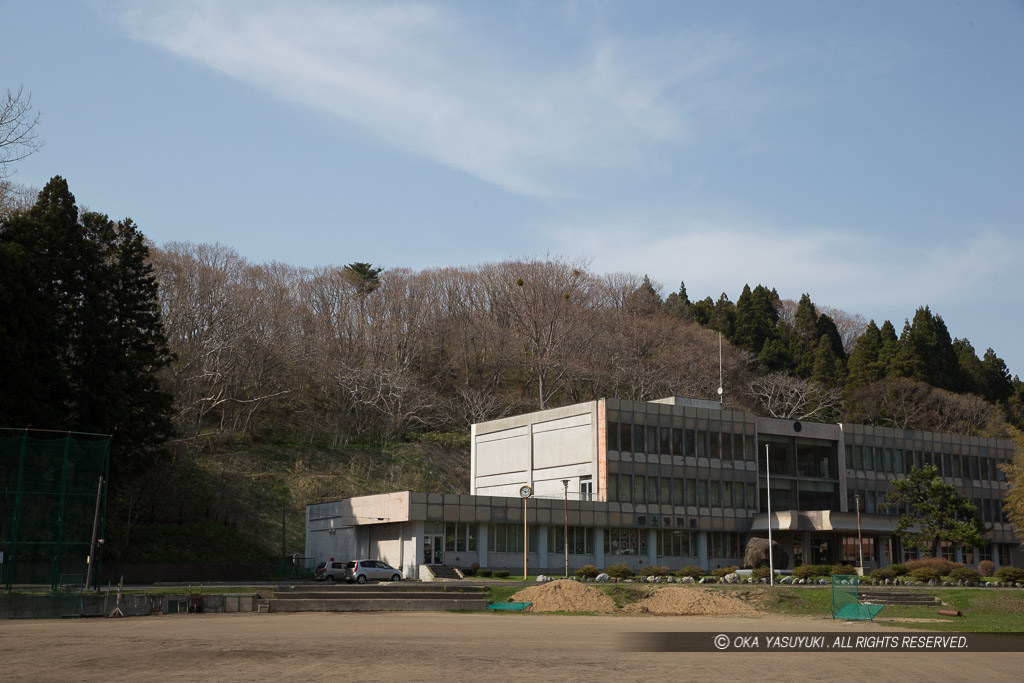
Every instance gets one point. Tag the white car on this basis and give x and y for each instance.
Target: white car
(361, 571)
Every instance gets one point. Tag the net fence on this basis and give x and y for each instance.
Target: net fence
(48, 504)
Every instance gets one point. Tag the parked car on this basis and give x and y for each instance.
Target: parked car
(330, 571)
(361, 571)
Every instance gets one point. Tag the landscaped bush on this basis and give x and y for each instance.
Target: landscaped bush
(942, 566)
(654, 571)
(469, 571)
(965, 574)
(810, 571)
(986, 568)
(899, 568)
(925, 574)
(619, 571)
(587, 571)
(693, 571)
(501, 574)
(842, 569)
(723, 571)
(880, 575)
(483, 572)
(760, 573)
(1010, 574)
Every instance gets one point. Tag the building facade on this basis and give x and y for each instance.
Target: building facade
(673, 482)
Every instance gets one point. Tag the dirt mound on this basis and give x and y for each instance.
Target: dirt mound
(684, 601)
(564, 596)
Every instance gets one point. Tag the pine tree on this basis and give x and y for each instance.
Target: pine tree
(803, 337)
(926, 353)
(865, 365)
(757, 318)
(89, 339)
(678, 304)
(935, 509)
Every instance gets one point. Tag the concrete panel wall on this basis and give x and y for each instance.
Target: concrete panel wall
(503, 452)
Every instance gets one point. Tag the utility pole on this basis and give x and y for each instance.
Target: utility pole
(95, 533)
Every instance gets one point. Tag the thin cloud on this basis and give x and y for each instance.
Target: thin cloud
(840, 269)
(416, 77)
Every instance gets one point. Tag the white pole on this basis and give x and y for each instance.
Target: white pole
(768, 482)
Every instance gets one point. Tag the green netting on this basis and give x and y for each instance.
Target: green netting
(48, 503)
(511, 606)
(846, 602)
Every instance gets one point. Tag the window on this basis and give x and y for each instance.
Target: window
(674, 543)
(850, 552)
(677, 441)
(724, 544)
(702, 494)
(460, 537)
(625, 542)
(579, 540)
(677, 492)
(586, 488)
(508, 538)
(638, 489)
(638, 439)
(691, 443)
(625, 438)
(652, 439)
(666, 440)
(727, 494)
(613, 488)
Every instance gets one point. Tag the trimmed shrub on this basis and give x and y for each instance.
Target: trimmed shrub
(693, 571)
(469, 571)
(1010, 574)
(899, 568)
(483, 572)
(722, 571)
(759, 573)
(619, 571)
(965, 574)
(880, 575)
(810, 571)
(587, 571)
(842, 569)
(925, 574)
(501, 574)
(986, 568)
(942, 566)
(651, 570)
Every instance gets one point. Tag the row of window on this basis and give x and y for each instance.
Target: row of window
(898, 461)
(637, 488)
(652, 440)
(990, 510)
(579, 540)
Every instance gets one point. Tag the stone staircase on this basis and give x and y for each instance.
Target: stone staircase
(441, 572)
(387, 597)
(898, 597)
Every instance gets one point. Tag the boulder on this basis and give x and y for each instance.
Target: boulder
(687, 579)
(731, 577)
(756, 554)
(602, 578)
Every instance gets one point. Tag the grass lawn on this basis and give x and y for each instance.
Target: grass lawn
(985, 610)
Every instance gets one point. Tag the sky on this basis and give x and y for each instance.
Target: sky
(870, 154)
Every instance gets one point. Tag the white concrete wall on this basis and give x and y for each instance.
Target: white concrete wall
(539, 449)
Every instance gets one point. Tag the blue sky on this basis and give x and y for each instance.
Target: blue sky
(870, 153)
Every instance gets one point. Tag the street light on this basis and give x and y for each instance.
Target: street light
(860, 542)
(565, 483)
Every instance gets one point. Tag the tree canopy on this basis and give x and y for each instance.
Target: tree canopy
(933, 511)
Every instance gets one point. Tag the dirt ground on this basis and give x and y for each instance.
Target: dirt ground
(420, 646)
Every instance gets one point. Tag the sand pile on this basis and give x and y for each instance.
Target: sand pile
(564, 596)
(680, 600)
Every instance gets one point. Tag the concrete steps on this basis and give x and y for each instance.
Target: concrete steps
(880, 597)
(384, 598)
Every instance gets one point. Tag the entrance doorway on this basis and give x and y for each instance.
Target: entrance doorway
(433, 549)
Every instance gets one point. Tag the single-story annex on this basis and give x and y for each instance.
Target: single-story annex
(672, 482)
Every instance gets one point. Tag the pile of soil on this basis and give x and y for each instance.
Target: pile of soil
(564, 596)
(690, 601)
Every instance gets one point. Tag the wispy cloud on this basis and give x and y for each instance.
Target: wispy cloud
(419, 78)
(850, 271)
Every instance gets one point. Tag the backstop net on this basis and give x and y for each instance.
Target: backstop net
(48, 504)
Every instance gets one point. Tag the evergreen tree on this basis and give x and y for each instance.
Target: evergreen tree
(803, 337)
(757, 318)
(828, 370)
(703, 311)
(890, 348)
(363, 277)
(936, 509)
(926, 353)
(678, 304)
(92, 341)
(644, 301)
(996, 383)
(725, 316)
(865, 365)
(970, 366)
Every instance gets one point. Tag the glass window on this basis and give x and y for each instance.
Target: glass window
(677, 441)
(613, 488)
(716, 494)
(714, 451)
(727, 494)
(625, 438)
(869, 459)
(691, 492)
(677, 492)
(750, 500)
(652, 489)
(702, 493)
(638, 439)
(666, 440)
(613, 436)
(652, 439)
(691, 443)
(639, 495)
(665, 498)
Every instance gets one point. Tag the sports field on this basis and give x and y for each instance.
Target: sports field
(422, 646)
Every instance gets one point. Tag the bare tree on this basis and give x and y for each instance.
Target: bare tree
(18, 136)
(792, 398)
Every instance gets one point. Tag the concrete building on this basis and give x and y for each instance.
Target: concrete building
(672, 482)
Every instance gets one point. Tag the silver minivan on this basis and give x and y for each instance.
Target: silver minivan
(361, 571)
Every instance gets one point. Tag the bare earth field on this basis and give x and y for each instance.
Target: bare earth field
(421, 646)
